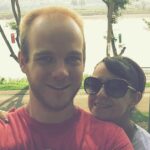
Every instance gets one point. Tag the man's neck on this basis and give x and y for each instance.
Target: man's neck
(44, 115)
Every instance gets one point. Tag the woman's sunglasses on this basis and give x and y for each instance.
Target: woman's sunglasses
(114, 87)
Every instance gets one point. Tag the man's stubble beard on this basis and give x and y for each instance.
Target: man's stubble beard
(49, 107)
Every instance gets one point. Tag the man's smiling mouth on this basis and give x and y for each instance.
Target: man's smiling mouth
(59, 88)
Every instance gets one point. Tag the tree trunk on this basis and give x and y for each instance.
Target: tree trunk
(17, 15)
(12, 54)
(113, 43)
(109, 27)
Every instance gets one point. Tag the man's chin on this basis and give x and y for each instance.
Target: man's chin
(59, 103)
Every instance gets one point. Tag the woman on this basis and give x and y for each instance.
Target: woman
(116, 87)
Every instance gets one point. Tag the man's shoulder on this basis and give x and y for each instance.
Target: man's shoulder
(10, 114)
(16, 111)
(15, 115)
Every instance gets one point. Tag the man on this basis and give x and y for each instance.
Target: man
(53, 57)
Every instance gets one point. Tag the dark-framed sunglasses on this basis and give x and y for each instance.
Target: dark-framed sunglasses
(114, 87)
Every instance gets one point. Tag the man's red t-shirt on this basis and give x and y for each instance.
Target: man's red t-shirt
(81, 132)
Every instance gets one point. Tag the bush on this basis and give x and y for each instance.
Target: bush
(13, 84)
(12, 25)
(2, 80)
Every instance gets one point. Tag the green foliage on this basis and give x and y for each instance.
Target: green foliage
(118, 6)
(12, 25)
(147, 22)
(139, 116)
(13, 87)
(2, 80)
(148, 84)
(13, 84)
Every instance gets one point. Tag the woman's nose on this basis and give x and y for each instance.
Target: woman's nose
(102, 92)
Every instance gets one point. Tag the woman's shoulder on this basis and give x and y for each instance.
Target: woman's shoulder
(141, 140)
(141, 131)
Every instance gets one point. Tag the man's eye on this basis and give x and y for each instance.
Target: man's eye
(45, 59)
(74, 60)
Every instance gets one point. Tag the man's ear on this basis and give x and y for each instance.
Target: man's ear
(22, 61)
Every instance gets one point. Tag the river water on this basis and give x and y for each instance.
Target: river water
(135, 36)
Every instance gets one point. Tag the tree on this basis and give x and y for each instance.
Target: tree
(17, 15)
(147, 23)
(113, 12)
(14, 100)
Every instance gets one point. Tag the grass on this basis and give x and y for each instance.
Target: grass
(13, 84)
(12, 87)
(138, 116)
(148, 84)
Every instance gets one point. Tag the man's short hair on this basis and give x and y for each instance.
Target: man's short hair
(53, 12)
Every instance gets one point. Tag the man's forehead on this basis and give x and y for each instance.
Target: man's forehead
(51, 19)
(44, 28)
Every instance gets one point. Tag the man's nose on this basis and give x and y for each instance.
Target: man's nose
(60, 71)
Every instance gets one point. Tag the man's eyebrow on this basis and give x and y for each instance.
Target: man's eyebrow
(45, 52)
(48, 53)
(77, 53)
